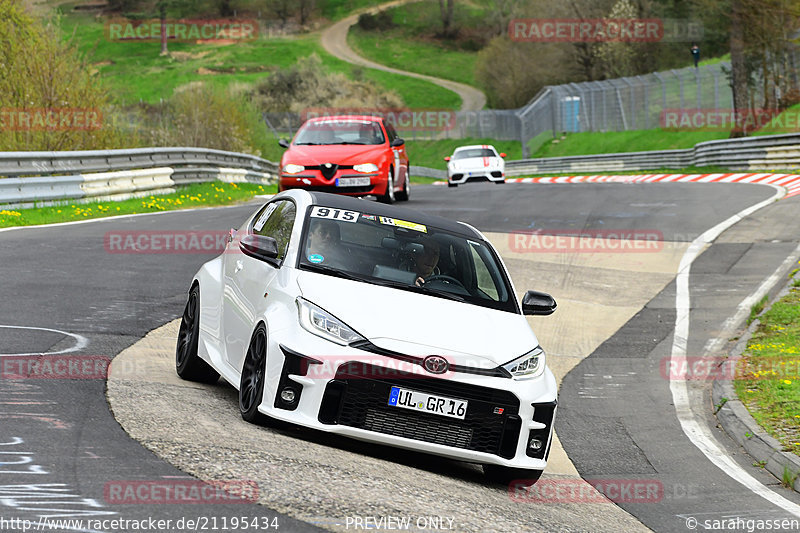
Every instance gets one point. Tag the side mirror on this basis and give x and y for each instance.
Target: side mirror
(538, 303)
(260, 247)
(283, 143)
(398, 142)
(502, 154)
(447, 158)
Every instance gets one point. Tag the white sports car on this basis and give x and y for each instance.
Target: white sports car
(479, 162)
(378, 323)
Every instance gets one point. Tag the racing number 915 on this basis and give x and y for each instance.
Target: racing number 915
(335, 214)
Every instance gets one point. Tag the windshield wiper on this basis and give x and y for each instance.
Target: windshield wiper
(439, 292)
(311, 144)
(416, 288)
(347, 142)
(323, 269)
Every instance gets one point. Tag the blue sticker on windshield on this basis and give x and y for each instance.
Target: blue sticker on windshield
(316, 258)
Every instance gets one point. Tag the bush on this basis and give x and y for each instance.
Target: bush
(306, 85)
(380, 21)
(42, 76)
(206, 117)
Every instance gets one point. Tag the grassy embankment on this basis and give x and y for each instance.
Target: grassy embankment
(405, 45)
(195, 195)
(769, 383)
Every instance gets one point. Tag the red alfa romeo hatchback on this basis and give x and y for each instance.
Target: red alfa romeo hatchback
(356, 155)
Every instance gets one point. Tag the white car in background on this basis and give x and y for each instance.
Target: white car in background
(480, 162)
(318, 313)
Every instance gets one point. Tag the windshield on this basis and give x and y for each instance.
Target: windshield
(340, 131)
(405, 255)
(474, 152)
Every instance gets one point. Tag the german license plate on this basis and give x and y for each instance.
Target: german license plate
(352, 182)
(427, 403)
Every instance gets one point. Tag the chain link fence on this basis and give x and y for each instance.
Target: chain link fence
(632, 103)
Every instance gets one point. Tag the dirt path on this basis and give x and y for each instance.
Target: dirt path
(334, 40)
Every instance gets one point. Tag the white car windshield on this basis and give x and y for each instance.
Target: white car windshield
(404, 254)
(340, 131)
(474, 152)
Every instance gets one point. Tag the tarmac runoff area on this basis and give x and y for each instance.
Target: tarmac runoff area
(327, 480)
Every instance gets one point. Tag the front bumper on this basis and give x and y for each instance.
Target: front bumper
(351, 399)
(460, 177)
(313, 180)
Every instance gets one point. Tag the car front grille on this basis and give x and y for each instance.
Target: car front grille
(331, 188)
(356, 399)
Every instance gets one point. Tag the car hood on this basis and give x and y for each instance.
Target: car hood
(341, 154)
(420, 325)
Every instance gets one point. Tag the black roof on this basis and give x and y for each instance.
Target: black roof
(403, 213)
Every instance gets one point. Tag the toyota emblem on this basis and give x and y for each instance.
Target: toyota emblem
(435, 364)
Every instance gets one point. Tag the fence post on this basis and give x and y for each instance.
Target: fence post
(646, 90)
(699, 92)
(633, 107)
(680, 82)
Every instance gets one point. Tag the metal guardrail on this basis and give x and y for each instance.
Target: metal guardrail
(773, 152)
(42, 178)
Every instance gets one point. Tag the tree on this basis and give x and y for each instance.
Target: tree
(304, 9)
(446, 10)
(283, 9)
(41, 76)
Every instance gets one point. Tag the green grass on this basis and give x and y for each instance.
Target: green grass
(134, 71)
(786, 122)
(769, 379)
(431, 154)
(195, 195)
(403, 48)
(339, 9)
(624, 141)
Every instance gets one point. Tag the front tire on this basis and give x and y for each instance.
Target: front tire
(251, 384)
(452, 184)
(388, 196)
(188, 364)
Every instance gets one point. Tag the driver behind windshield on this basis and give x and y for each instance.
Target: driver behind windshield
(324, 244)
(424, 260)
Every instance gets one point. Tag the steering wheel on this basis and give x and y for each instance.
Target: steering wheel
(446, 279)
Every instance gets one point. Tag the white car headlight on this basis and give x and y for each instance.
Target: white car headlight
(316, 320)
(530, 365)
(366, 167)
(291, 168)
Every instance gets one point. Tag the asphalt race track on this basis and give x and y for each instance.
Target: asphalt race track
(65, 292)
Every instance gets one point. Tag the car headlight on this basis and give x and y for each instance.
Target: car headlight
(291, 168)
(316, 320)
(529, 365)
(366, 167)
